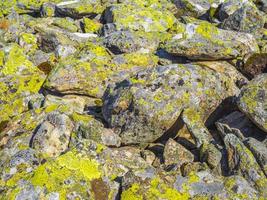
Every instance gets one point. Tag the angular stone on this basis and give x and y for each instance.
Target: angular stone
(252, 101)
(142, 108)
(53, 135)
(240, 124)
(242, 161)
(127, 42)
(259, 151)
(247, 18)
(255, 65)
(174, 153)
(195, 8)
(78, 9)
(141, 18)
(89, 71)
(204, 41)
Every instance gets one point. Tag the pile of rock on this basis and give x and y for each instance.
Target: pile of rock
(132, 99)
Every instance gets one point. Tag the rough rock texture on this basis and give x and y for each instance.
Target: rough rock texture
(133, 99)
(174, 153)
(143, 107)
(252, 101)
(204, 41)
(53, 135)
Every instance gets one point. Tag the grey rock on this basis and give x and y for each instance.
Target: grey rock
(242, 161)
(53, 135)
(252, 101)
(259, 151)
(142, 108)
(174, 153)
(245, 19)
(204, 41)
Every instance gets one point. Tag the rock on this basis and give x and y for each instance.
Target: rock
(194, 167)
(53, 135)
(261, 4)
(139, 18)
(67, 104)
(174, 153)
(242, 161)
(109, 138)
(238, 186)
(259, 151)
(252, 101)
(195, 8)
(90, 70)
(127, 42)
(246, 18)
(255, 65)
(48, 10)
(204, 41)
(142, 108)
(19, 79)
(211, 154)
(240, 124)
(78, 9)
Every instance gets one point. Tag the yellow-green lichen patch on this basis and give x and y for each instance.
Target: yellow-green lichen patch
(142, 18)
(66, 24)
(68, 173)
(91, 26)
(131, 193)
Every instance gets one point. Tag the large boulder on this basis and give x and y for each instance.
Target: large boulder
(91, 69)
(140, 109)
(252, 101)
(245, 17)
(142, 18)
(204, 41)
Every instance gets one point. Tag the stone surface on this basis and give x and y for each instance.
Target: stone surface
(252, 101)
(174, 153)
(53, 135)
(204, 41)
(140, 109)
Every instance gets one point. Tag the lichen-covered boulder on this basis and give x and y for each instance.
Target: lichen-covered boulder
(90, 70)
(259, 151)
(128, 42)
(252, 101)
(19, 80)
(78, 9)
(195, 8)
(247, 18)
(140, 109)
(141, 18)
(204, 41)
(53, 135)
(242, 161)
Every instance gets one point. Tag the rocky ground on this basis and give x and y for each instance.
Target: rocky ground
(133, 99)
